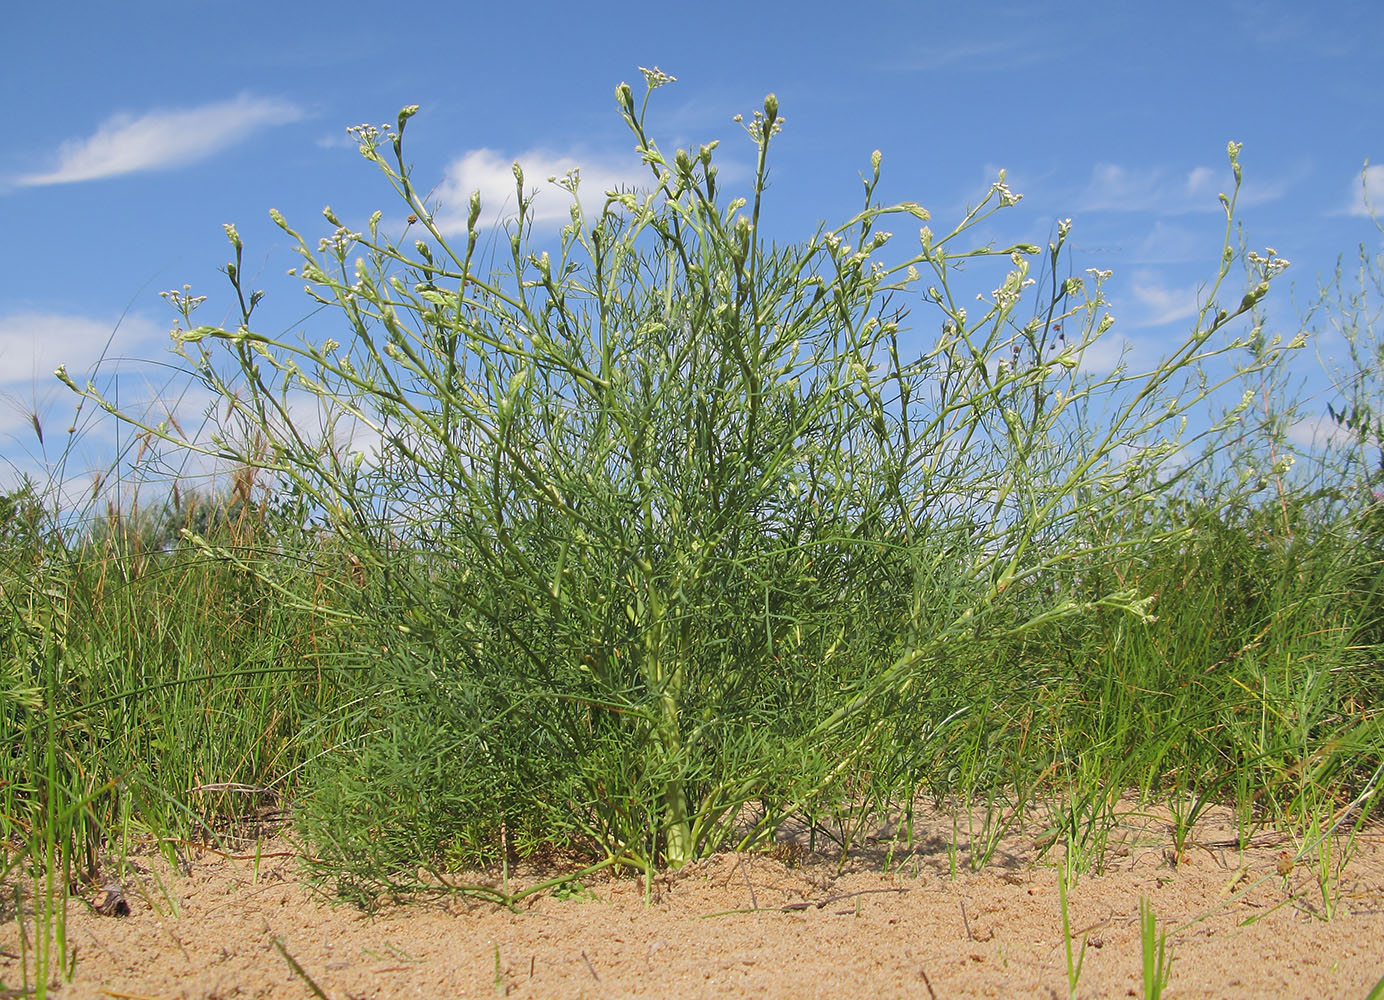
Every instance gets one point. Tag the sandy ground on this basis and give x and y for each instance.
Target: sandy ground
(1242, 924)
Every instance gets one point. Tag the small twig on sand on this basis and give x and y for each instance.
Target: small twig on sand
(754, 903)
(928, 983)
(836, 899)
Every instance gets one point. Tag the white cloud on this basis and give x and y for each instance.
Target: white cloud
(67, 446)
(32, 344)
(1318, 432)
(1162, 304)
(1115, 188)
(337, 140)
(1367, 191)
(1169, 243)
(486, 171)
(45, 431)
(160, 140)
(1103, 355)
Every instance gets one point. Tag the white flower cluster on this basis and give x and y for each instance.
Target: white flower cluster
(569, 181)
(1270, 265)
(183, 301)
(367, 134)
(756, 126)
(1008, 294)
(338, 242)
(1007, 197)
(655, 78)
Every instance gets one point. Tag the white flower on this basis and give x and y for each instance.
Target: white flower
(655, 78)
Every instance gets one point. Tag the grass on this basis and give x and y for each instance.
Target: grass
(1076, 953)
(1157, 954)
(671, 538)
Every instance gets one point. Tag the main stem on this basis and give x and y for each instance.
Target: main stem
(666, 675)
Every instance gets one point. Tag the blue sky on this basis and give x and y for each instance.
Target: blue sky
(136, 130)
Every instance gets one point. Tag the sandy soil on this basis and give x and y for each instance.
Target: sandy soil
(1243, 924)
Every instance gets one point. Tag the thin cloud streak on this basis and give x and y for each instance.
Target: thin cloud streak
(1170, 243)
(162, 140)
(1116, 188)
(1161, 304)
(977, 57)
(1369, 192)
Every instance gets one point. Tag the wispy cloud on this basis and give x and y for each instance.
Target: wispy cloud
(37, 413)
(1161, 304)
(1297, 28)
(340, 139)
(1318, 432)
(1116, 188)
(1170, 243)
(32, 344)
(491, 174)
(1106, 353)
(1368, 192)
(160, 140)
(976, 56)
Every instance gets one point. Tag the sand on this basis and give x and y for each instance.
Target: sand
(1242, 923)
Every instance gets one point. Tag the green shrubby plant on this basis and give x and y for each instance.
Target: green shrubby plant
(663, 532)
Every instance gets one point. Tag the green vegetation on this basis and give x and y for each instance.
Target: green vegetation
(1157, 953)
(667, 534)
